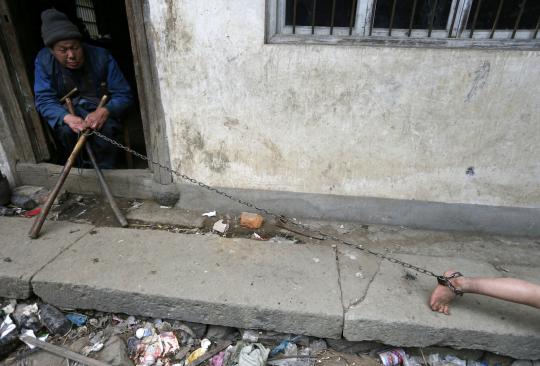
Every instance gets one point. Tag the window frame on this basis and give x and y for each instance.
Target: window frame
(278, 32)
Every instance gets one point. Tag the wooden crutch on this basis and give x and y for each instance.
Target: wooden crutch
(104, 186)
(40, 219)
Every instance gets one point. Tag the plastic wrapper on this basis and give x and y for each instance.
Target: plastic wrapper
(54, 320)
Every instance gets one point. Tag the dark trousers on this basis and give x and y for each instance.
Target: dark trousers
(106, 153)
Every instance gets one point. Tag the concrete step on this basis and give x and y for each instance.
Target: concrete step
(21, 257)
(395, 311)
(315, 288)
(199, 278)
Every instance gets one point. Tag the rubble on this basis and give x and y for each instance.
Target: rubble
(251, 220)
(28, 197)
(126, 340)
(220, 226)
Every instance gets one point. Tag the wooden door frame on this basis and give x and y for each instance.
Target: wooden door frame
(17, 99)
(146, 75)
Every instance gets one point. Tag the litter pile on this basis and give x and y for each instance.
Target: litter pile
(96, 338)
(21, 201)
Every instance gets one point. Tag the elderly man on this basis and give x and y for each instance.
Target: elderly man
(66, 63)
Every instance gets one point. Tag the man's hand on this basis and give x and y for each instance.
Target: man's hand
(76, 123)
(97, 118)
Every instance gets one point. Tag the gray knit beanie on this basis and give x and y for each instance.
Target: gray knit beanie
(55, 26)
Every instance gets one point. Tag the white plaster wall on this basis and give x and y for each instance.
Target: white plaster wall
(5, 167)
(379, 122)
(7, 153)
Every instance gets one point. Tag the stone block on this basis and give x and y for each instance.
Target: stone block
(395, 311)
(21, 257)
(199, 278)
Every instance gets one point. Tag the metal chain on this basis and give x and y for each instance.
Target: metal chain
(281, 218)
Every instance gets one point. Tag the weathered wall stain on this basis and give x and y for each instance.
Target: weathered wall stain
(192, 140)
(217, 160)
(276, 155)
(176, 31)
(327, 170)
(390, 122)
(231, 122)
(479, 81)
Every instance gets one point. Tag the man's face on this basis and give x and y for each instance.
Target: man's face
(69, 53)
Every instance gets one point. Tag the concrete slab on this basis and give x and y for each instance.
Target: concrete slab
(206, 279)
(153, 213)
(21, 257)
(395, 311)
(356, 271)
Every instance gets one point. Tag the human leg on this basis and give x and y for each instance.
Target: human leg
(509, 289)
(65, 140)
(106, 153)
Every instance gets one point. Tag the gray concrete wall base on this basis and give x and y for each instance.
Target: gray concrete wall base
(500, 220)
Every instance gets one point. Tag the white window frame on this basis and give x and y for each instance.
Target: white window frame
(278, 32)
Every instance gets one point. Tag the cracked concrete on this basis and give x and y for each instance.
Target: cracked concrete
(320, 288)
(395, 312)
(21, 258)
(199, 278)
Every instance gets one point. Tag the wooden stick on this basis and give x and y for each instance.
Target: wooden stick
(62, 352)
(101, 179)
(40, 219)
(69, 95)
(106, 190)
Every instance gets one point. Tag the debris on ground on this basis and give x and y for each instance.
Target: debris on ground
(29, 197)
(392, 357)
(7, 211)
(50, 336)
(210, 214)
(32, 213)
(221, 226)
(53, 319)
(251, 220)
(134, 205)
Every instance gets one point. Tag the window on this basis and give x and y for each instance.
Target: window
(87, 14)
(453, 23)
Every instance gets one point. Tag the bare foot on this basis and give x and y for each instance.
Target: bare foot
(442, 295)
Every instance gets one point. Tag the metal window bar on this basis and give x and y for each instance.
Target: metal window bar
(392, 14)
(476, 12)
(456, 7)
(412, 17)
(351, 21)
(333, 17)
(455, 23)
(313, 17)
(518, 19)
(496, 21)
(372, 20)
(85, 11)
(295, 5)
(432, 18)
(537, 27)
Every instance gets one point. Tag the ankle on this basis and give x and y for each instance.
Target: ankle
(460, 283)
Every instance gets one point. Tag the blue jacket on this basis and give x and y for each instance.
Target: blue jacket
(49, 84)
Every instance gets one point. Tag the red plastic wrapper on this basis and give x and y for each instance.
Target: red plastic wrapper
(32, 213)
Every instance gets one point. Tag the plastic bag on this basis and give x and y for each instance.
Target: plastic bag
(54, 320)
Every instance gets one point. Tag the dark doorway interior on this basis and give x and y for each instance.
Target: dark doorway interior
(102, 23)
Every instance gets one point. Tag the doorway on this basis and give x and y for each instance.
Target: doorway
(103, 24)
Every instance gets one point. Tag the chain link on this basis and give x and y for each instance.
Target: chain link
(276, 216)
